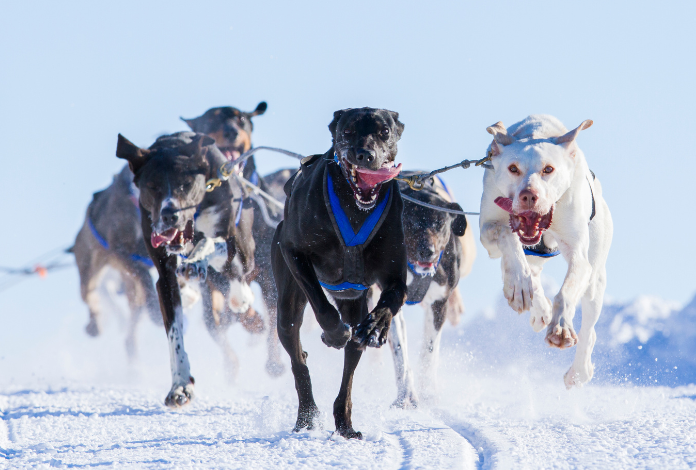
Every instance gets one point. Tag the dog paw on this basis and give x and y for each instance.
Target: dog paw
(180, 395)
(92, 328)
(274, 368)
(192, 271)
(251, 321)
(374, 329)
(349, 433)
(540, 314)
(561, 335)
(337, 338)
(407, 400)
(518, 288)
(308, 419)
(577, 377)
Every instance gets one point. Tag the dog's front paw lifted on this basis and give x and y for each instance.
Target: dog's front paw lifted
(180, 395)
(338, 337)
(373, 330)
(517, 287)
(197, 270)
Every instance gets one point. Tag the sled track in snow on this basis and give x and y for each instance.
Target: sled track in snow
(425, 441)
(484, 448)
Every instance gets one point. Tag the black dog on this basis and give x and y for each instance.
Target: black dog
(342, 233)
(172, 176)
(441, 251)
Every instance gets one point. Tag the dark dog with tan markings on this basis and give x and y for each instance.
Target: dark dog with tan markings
(342, 233)
(231, 129)
(172, 176)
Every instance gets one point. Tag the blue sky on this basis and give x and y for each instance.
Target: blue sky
(75, 74)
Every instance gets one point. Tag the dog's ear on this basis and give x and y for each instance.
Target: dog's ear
(260, 109)
(198, 147)
(334, 123)
(459, 223)
(500, 138)
(572, 135)
(399, 125)
(135, 155)
(194, 124)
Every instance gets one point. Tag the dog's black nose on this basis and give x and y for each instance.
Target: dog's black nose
(365, 155)
(426, 252)
(169, 216)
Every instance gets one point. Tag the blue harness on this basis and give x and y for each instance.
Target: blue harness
(141, 259)
(532, 251)
(350, 238)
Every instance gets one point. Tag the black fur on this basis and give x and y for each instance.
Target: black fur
(307, 247)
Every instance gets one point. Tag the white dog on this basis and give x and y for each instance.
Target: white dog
(541, 199)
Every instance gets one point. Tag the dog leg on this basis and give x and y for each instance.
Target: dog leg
(274, 365)
(139, 291)
(181, 392)
(430, 349)
(91, 275)
(352, 311)
(135, 304)
(406, 395)
(343, 406)
(560, 332)
(582, 369)
(541, 311)
(336, 333)
(499, 240)
(217, 323)
(291, 305)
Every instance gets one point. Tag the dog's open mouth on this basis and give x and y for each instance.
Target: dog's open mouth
(528, 225)
(173, 238)
(366, 183)
(231, 153)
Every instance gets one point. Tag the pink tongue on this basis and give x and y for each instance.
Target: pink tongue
(505, 203)
(230, 156)
(156, 239)
(370, 178)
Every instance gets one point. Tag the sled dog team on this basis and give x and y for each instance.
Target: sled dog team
(341, 238)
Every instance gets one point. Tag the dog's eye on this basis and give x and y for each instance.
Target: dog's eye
(385, 132)
(513, 169)
(242, 119)
(347, 131)
(548, 169)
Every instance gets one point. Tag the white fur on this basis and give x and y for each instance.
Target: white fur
(207, 222)
(189, 295)
(178, 359)
(430, 348)
(584, 244)
(208, 251)
(241, 296)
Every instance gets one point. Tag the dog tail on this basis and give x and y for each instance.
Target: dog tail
(455, 307)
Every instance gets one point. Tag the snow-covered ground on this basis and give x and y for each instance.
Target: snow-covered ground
(73, 401)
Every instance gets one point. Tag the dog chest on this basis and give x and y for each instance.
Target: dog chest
(352, 242)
